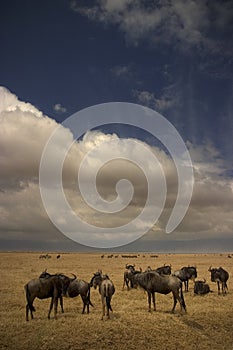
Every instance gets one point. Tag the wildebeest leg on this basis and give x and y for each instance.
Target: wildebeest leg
(127, 283)
(107, 309)
(50, 308)
(175, 297)
(55, 307)
(27, 311)
(225, 287)
(181, 300)
(218, 287)
(61, 303)
(103, 307)
(85, 303)
(149, 301)
(153, 299)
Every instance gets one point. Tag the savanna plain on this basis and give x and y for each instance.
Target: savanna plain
(208, 323)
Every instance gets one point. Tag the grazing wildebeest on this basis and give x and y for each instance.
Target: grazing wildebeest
(185, 274)
(106, 290)
(201, 287)
(76, 287)
(153, 282)
(82, 288)
(220, 276)
(58, 256)
(50, 287)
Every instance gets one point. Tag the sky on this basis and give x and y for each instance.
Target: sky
(60, 57)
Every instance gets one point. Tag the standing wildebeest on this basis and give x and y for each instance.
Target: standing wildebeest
(201, 287)
(128, 276)
(82, 288)
(76, 287)
(163, 270)
(153, 282)
(106, 290)
(220, 276)
(51, 287)
(185, 274)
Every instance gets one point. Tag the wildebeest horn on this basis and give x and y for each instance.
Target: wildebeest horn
(204, 280)
(74, 276)
(209, 269)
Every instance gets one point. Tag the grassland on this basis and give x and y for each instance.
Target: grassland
(207, 324)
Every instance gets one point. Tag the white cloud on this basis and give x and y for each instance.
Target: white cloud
(58, 108)
(167, 99)
(187, 24)
(24, 132)
(121, 71)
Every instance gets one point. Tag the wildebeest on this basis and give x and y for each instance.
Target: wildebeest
(219, 275)
(106, 290)
(163, 270)
(82, 288)
(153, 282)
(201, 287)
(128, 276)
(76, 287)
(185, 274)
(51, 287)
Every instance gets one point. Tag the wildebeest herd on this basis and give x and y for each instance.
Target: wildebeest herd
(160, 280)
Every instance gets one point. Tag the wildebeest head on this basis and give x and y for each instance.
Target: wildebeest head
(190, 271)
(97, 278)
(218, 274)
(65, 280)
(130, 267)
(214, 275)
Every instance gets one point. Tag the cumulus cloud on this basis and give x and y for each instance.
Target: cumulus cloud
(187, 24)
(23, 134)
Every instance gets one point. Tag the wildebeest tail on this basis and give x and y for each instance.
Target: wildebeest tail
(108, 302)
(182, 297)
(31, 307)
(89, 296)
(108, 297)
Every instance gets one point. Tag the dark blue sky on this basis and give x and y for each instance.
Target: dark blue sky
(60, 52)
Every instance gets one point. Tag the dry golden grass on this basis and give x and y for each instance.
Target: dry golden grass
(207, 324)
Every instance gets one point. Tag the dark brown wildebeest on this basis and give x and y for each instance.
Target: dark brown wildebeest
(163, 270)
(76, 287)
(185, 274)
(51, 287)
(220, 276)
(106, 290)
(82, 288)
(128, 276)
(201, 287)
(153, 282)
